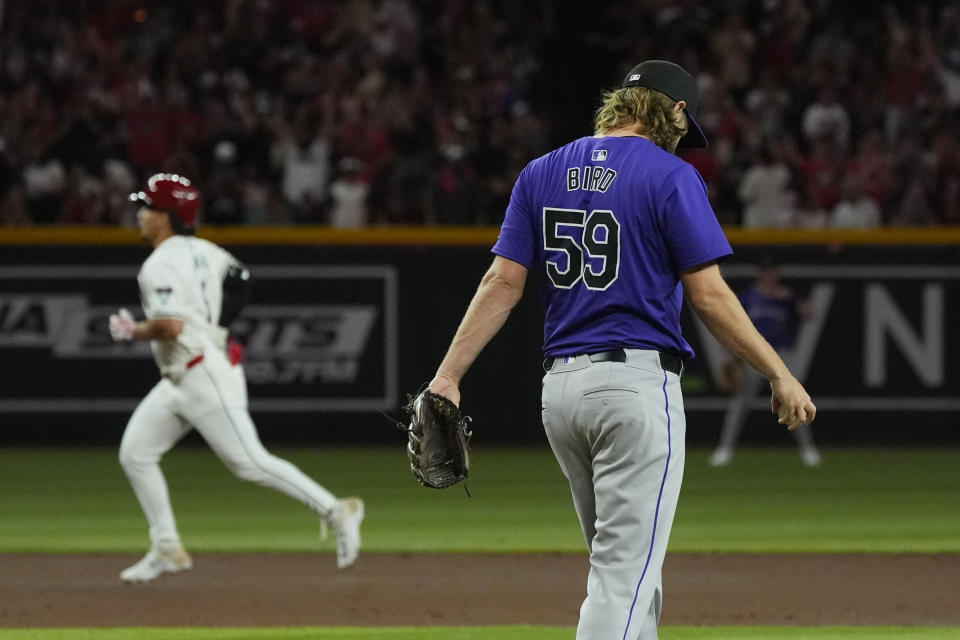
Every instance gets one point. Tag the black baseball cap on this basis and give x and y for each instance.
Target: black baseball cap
(671, 80)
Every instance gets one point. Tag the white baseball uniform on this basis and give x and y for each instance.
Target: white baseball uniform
(200, 388)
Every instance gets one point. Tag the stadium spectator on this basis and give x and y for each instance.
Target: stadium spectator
(734, 45)
(767, 103)
(915, 208)
(13, 206)
(855, 209)
(822, 171)
(349, 193)
(766, 190)
(827, 118)
(870, 166)
(304, 157)
(949, 204)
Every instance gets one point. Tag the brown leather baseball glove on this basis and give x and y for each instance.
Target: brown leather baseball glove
(438, 440)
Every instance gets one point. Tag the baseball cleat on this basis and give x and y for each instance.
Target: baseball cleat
(810, 457)
(721, 457)
(157, 562)
(345, 523)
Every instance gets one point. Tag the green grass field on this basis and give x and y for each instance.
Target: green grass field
(483, 633)
(77, 500)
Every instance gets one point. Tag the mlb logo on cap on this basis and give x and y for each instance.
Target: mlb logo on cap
(599, 155)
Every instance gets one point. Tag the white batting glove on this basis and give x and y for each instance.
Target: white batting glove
(122, 325)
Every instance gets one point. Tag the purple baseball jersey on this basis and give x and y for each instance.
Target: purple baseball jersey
(777, 319)
(608, 224)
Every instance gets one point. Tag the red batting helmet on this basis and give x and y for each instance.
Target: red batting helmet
(171, 193)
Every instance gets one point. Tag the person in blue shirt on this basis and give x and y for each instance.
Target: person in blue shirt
(777, 313)
(616, 229)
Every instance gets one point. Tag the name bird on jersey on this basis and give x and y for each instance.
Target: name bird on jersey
(665, 221)
(614, 228)
(181, 279)
(592, 178)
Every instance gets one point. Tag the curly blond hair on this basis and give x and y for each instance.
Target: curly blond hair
(652, 110)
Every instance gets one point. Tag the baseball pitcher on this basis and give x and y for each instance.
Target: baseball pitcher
(190, 290)
(616, 229)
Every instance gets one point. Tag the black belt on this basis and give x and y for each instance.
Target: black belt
(668, 361)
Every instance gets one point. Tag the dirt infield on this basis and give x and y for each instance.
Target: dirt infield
(448, 589)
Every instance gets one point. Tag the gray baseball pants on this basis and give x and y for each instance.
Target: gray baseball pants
(617, 430)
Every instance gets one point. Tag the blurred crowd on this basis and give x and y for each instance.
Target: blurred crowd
(281, 111)
(362, 112)
(826, 114)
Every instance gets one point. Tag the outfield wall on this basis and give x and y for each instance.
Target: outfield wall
(343, 324)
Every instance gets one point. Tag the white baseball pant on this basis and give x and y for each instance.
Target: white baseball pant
(212, 398)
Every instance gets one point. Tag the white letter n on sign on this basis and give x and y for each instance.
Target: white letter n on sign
(883, 317)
